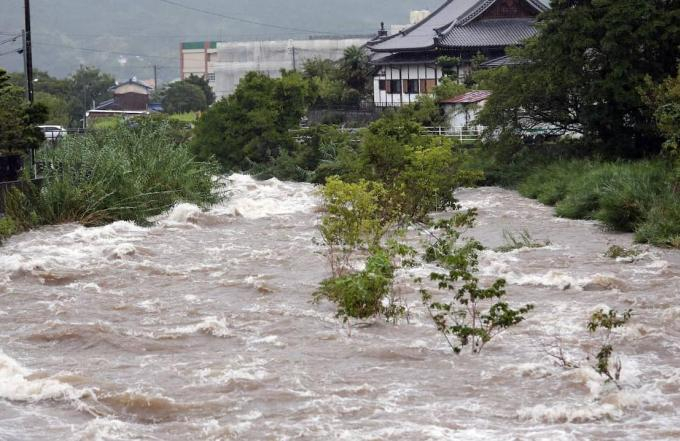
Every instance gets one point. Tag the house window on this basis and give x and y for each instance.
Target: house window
(393, 86)
(426, 86)
(411, 86)
(211, 77)
(381, 85)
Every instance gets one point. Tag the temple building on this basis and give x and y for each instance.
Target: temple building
(460, 32)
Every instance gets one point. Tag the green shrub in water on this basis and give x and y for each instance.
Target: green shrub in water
(363, 294)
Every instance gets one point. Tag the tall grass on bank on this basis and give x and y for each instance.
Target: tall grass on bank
(128, 173)
(640, 197)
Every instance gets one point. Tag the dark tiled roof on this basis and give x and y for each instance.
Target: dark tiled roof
(469, 97)
(505, 60)
(484, 33)
(405, 58)
(453, 14)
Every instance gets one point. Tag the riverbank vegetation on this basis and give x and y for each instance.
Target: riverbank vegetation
(566, 127)
(130, 173)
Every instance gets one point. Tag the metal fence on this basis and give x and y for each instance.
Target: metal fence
(7, 186)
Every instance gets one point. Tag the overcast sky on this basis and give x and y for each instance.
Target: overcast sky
(126, 37)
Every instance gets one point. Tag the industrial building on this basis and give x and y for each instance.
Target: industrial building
(223, 64)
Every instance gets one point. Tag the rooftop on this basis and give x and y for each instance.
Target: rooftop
(446, 27)
(469, 97)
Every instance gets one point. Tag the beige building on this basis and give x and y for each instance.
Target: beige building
(197, 58)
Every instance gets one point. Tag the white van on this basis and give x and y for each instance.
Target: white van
(53, 133)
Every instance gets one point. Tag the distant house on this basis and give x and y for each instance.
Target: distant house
(131, 98)
(462, 110)
(130, 95)
(407, 62)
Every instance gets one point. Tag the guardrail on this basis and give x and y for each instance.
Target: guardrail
(463, 134)
(6, 186)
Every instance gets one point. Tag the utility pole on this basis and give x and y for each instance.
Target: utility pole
(155, 77)
(23, 51)
(28, 51)
(294, 65)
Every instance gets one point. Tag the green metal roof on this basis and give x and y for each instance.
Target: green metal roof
(198, 45)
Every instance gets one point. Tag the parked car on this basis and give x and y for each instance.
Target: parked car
(53, 133)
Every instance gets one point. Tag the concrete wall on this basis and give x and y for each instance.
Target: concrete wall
(235, 60)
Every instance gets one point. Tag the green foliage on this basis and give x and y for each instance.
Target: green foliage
(7, 228)
(635, 196)
(661, 225)
(356, 69)
(425, 111)
(603, 323)
(343, 82)
(363, 294)
(203, 84)
(18, 120)
(128, 173)
(474, 315)
(448, 88)
(582, 72)
(431, 174)
(184, 96)
(57, 107)
(354, 219)
(86, 85)
(252, 125)
(68, 99)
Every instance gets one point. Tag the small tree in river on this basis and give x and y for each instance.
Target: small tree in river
(474, 315)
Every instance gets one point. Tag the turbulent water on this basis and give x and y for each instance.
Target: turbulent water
(201, 328)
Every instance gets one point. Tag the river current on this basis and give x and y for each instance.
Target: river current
(200, 327)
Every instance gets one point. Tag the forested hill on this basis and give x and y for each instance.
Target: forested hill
(126, 37)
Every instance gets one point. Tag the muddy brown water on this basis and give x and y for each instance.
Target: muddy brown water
(201, 328)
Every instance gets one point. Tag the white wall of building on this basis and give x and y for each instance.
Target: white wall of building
(384, 98)
(236, 59)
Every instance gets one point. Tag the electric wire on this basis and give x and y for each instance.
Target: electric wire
(243, 20)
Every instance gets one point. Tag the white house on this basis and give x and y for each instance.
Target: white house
(462, 110)
(408, 62)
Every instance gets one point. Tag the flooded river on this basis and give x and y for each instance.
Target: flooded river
(200, 327)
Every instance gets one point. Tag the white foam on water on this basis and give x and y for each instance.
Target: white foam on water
(16, 384)
(502, 265)
(214, 326)
(254, 199)
(69, 253)
(107, 429)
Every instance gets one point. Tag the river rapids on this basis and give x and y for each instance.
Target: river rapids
(200, 327)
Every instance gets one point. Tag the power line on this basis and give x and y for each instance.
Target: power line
(85, 49)
(11, 39)
(243, 20)
(13, 51)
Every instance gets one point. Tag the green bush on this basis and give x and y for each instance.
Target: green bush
(7, 228)
(128, 173)
(662, 224)
(585, 191)
(630, 193)
(638, 196)
(362, 294)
